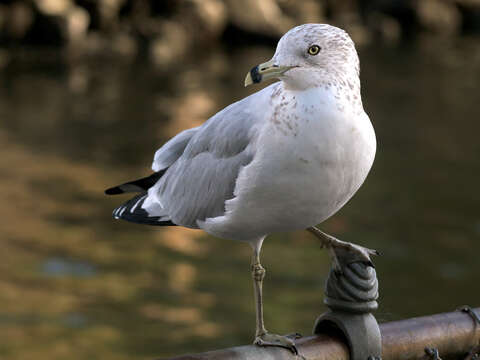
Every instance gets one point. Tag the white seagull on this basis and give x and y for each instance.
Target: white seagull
(284, 158)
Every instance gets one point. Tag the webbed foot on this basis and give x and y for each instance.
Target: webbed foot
(343, 249)
(287, 342)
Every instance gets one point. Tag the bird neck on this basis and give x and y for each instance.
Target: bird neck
(344, 85)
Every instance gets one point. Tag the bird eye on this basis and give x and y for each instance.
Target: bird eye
(314, 49)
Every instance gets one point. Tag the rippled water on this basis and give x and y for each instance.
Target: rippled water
(74, 283)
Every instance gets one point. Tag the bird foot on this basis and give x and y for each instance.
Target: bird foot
(352, 252)
(361, 252)
(347, 251)
(287, 342)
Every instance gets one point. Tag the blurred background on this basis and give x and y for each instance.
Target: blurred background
(90, 89)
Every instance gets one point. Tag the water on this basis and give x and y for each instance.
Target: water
(76, 284)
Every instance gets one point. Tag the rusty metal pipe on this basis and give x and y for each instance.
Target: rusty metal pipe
(454, 334)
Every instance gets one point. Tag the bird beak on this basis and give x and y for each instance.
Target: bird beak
(265, 71)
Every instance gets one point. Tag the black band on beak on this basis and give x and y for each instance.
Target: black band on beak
(256, 76)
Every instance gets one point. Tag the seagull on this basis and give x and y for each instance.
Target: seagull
(282, 159)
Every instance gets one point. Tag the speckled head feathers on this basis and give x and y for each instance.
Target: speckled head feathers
(337, 57)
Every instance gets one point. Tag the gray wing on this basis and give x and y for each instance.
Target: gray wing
(198, 183)
(172, 149)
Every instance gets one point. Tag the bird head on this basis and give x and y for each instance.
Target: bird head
(308, 55)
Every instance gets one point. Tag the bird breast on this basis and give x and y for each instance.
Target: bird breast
(310, 157)
(314, 156)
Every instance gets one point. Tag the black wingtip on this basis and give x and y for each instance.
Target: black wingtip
(139, 185)
(114, 191)
(132, 211)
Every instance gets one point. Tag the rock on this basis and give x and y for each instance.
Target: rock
(439, 16)
(264, 17)
(53, 7)
(385, 26)
(76, 24)
(109, 11)
(212, 14)
(18, 19)
(170, 44)
(308, 11)
(124, 44)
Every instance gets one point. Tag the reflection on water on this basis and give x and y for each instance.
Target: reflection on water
(76, 284)
(63, 267)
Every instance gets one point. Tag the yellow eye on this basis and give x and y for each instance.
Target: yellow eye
(314, 49)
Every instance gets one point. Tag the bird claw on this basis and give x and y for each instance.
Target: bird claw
(286, 342)
(362, 252)
(294, 336)
(346, 251)
(343, 252)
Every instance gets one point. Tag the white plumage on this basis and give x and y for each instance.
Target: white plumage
(285, 158)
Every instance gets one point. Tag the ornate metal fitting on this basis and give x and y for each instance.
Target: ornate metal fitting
(467, 309)
(355, 289)
(351, 296)
(473, 354)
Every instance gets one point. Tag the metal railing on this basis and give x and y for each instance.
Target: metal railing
(454, 335)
